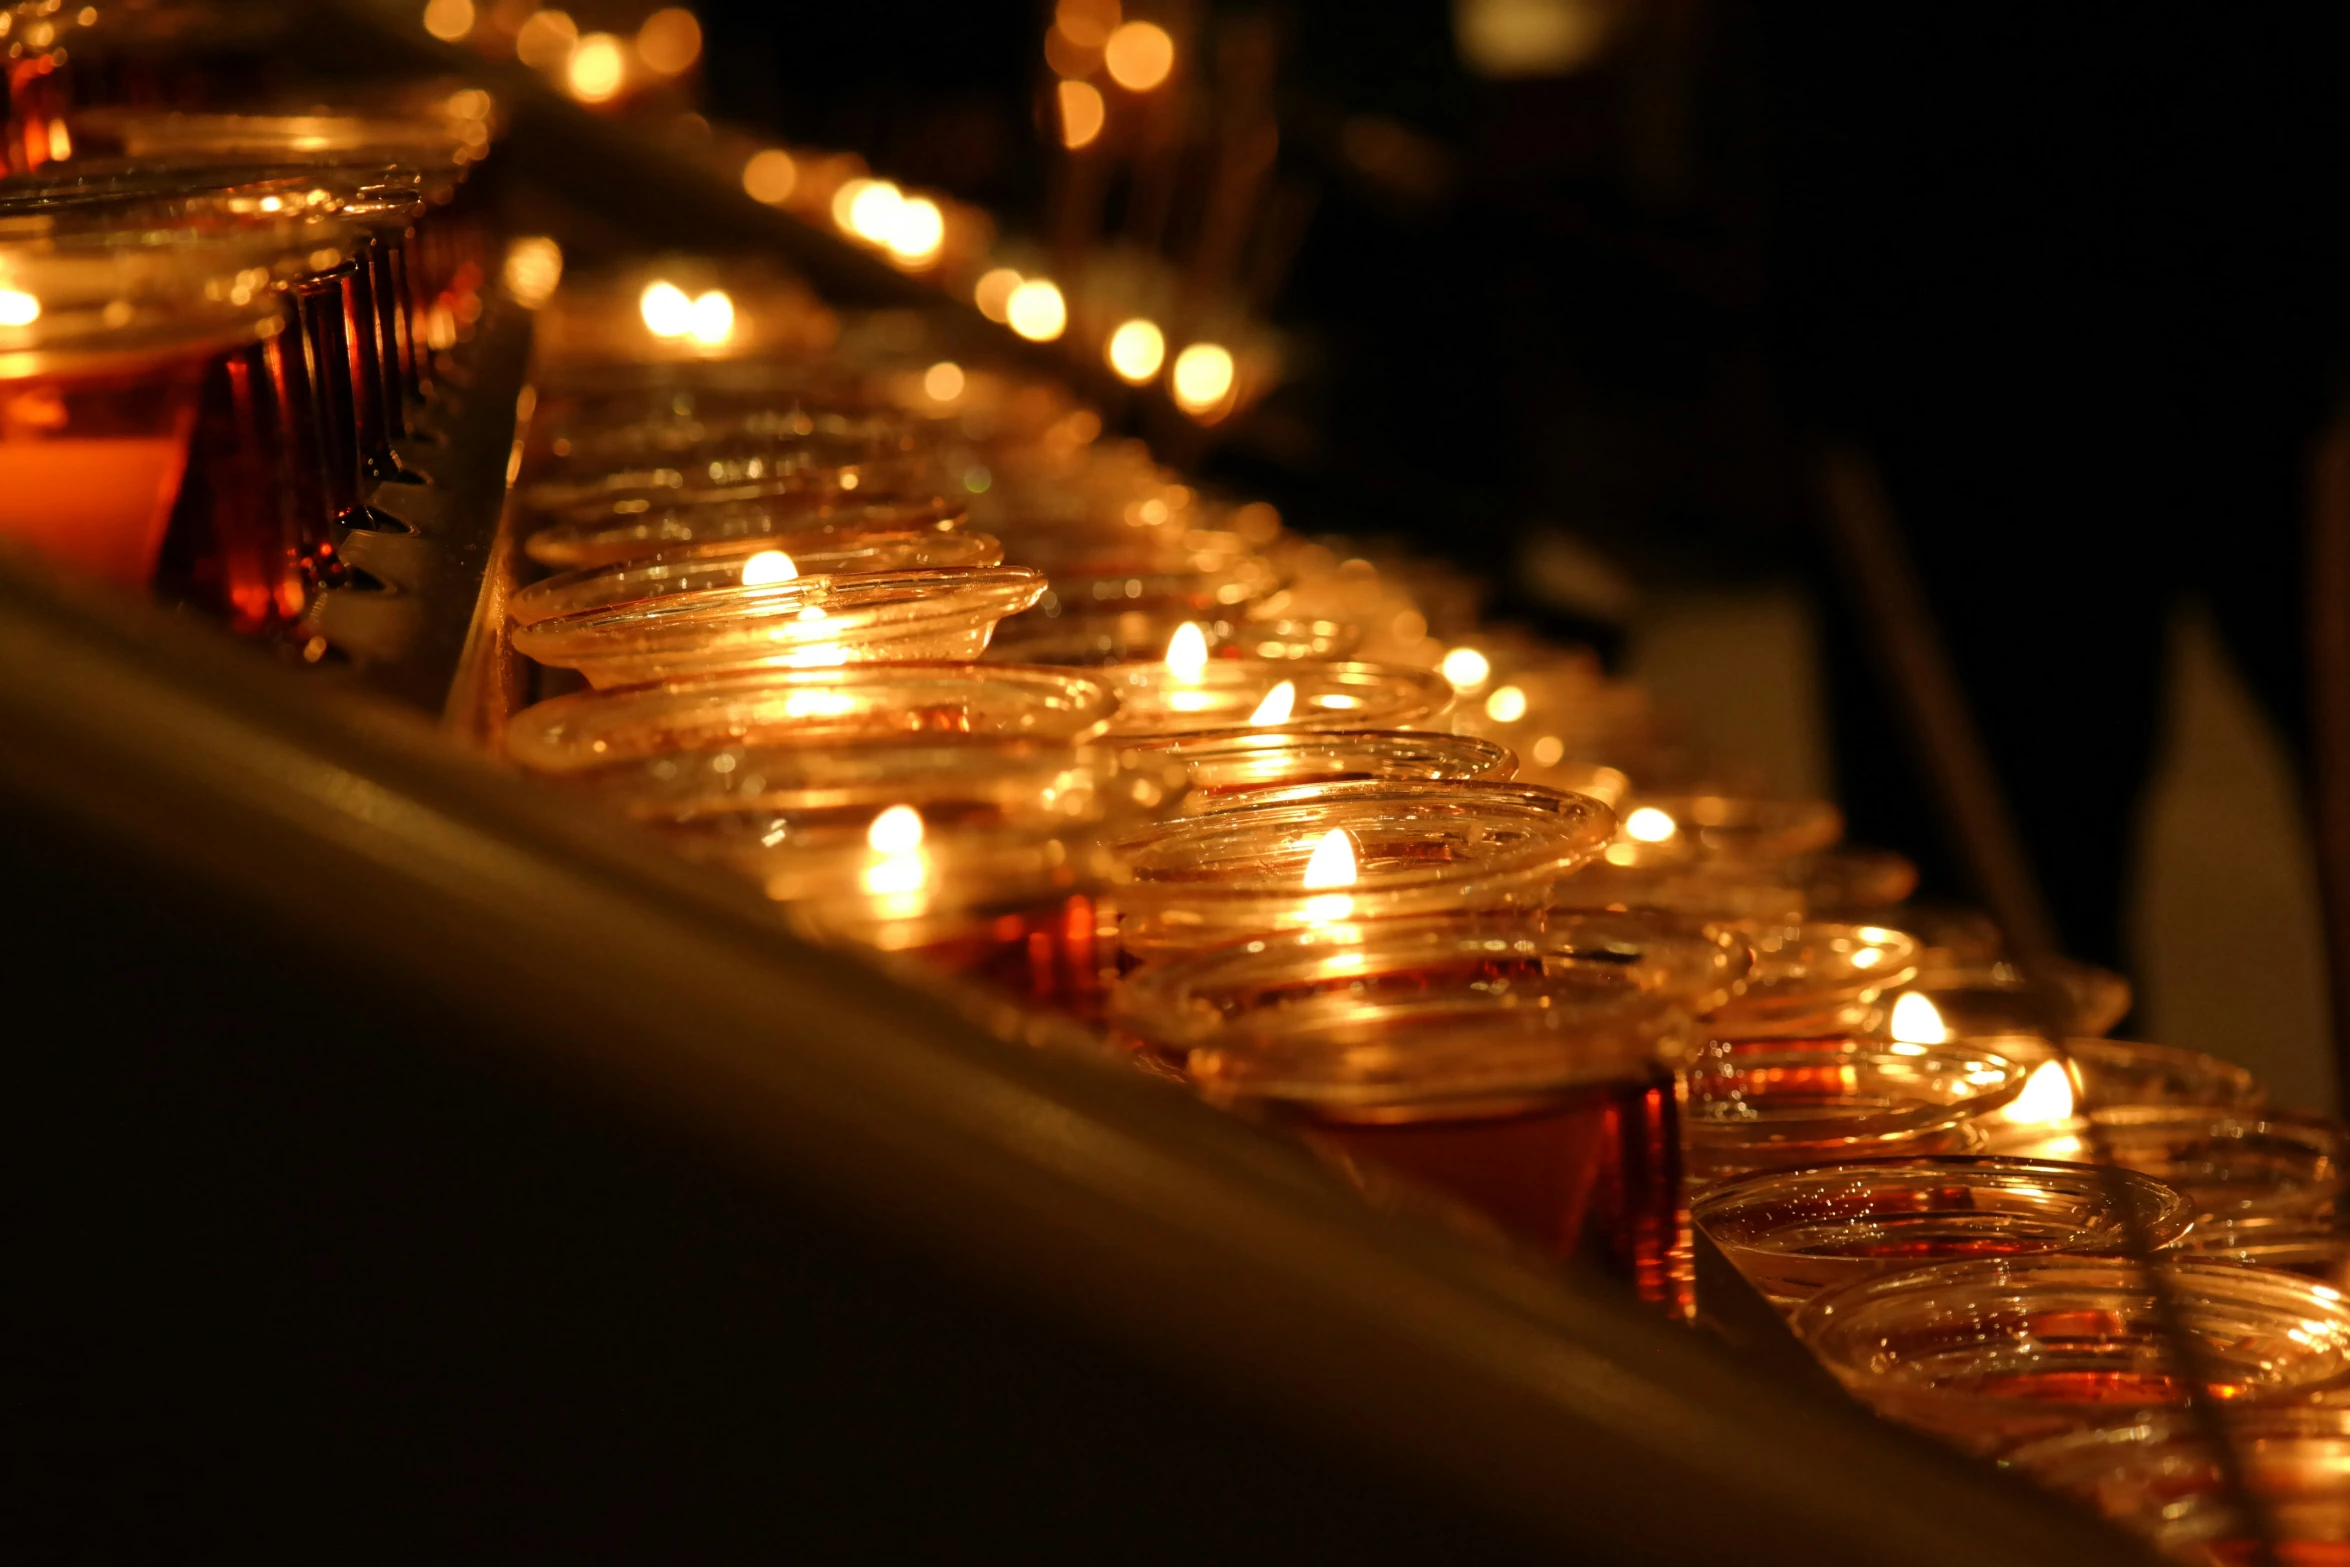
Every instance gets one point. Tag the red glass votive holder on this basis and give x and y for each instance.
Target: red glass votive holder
(2160, 1478)
(1520, 1066)
(1795, 1233)
(1288, 859)
(1233, 765)
(1993, 1354)
(795, 524)
(1775, 1104)
(806, 622)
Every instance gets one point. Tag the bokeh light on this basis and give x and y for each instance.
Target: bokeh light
(449, 20)
(1139, 56)
(1136, 350)
(1082, 114)
(1036, 311)
(1203, 377)
(597, 68)
(670, 41)
(546, 39)
(771, 176)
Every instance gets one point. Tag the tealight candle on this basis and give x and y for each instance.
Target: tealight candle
(1288, 858)
(1187, 692)
(801, 622)
(1142, 636)
(1992, 1354)
(722, 566)
(1998, 998)
(1818, 980)
(1519, 1065)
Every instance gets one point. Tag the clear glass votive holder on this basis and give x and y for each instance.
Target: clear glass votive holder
(674, 576)
(1853, 884)
(1141, 637)
(2160, 1478)
(1155, 702)
(805, 622)
(1231, 766)
(1993, 1354)
(1287, 859)
(1520, 1066)
(1998, 997)
(819, 468)
(1818, 979)
(1659, 829)
(792, 523)
(1775, 1104)
(1797, 1232)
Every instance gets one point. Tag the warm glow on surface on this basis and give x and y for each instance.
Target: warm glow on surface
(1136, 350)
(546, 39)
(1333, 864)
(895, 830)
(1187, 653)
(943, 382)
(712, 322)
(1506, 706)
(1466, 668)
(917, 230)
(1202, 377)
(2047, 1097)
(670, 41)
(1139, 56)
(1087, 23)
(666, 309)
(597, 68)
(1278, 704)
(449, 20)
(771, 176)
(993, 292)
(768, 566)
(1082, 114)
(534, 266)
(18, 308)
(1917, 1021)
(1650, 825)
(1036, 311)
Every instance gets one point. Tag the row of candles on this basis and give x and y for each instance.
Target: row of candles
(971, 687)
(964, 683)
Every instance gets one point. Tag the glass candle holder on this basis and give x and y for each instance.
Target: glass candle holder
(1795, 1233)
(795, 524)
(807, 622)
(1853, 884)
(676, 576)
(1156, 702)
(2159, 1478)
(2234, 1165)
(1660, 829)
(1818, 980)
(1288, 859)
(110, 346)
(884, 459)
(1992, 1354)
(1141, 637)
(1775, 1104)
(1521, 1066)
(2060, 997)
(2112, 1074)
(1229, 767)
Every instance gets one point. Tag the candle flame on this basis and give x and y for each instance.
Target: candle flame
(1466, 668)
(1187, 652)
(666, 309)
(2047, 1099)
(1278, 704)
(712, 319)
(1650, 825)
(768, 566)
(897, 830)
(1917, 1021)
(1333, 864)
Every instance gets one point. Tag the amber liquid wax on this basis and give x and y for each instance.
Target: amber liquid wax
(1057, 957)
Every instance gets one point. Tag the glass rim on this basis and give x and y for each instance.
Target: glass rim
(580, 546)
(673, 575)
(2165, 1213)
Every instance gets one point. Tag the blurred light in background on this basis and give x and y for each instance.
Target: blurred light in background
(1139, 55)
(1082, 114)
(1086, 23)
(1203, 378)
(993, 293)
(917, 230)
(670, 41)
(1466, 668)
(1136, 350)
(943, 382)
(449, 20)
(534, 266)
(771, 176)
(1036, 311)
(18, 308)
(546, 39)
(711, 320)
(597, 68)
(666, 310)
(1530, 37)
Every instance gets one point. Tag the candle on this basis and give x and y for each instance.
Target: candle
(1118, 635)
(1991, 1354)
(805, 622)
(1418, 848)
(1224, 767)
(799, 525)
(1187, 692)
(1518, 1065)
(719, 567)
(1819, 979)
